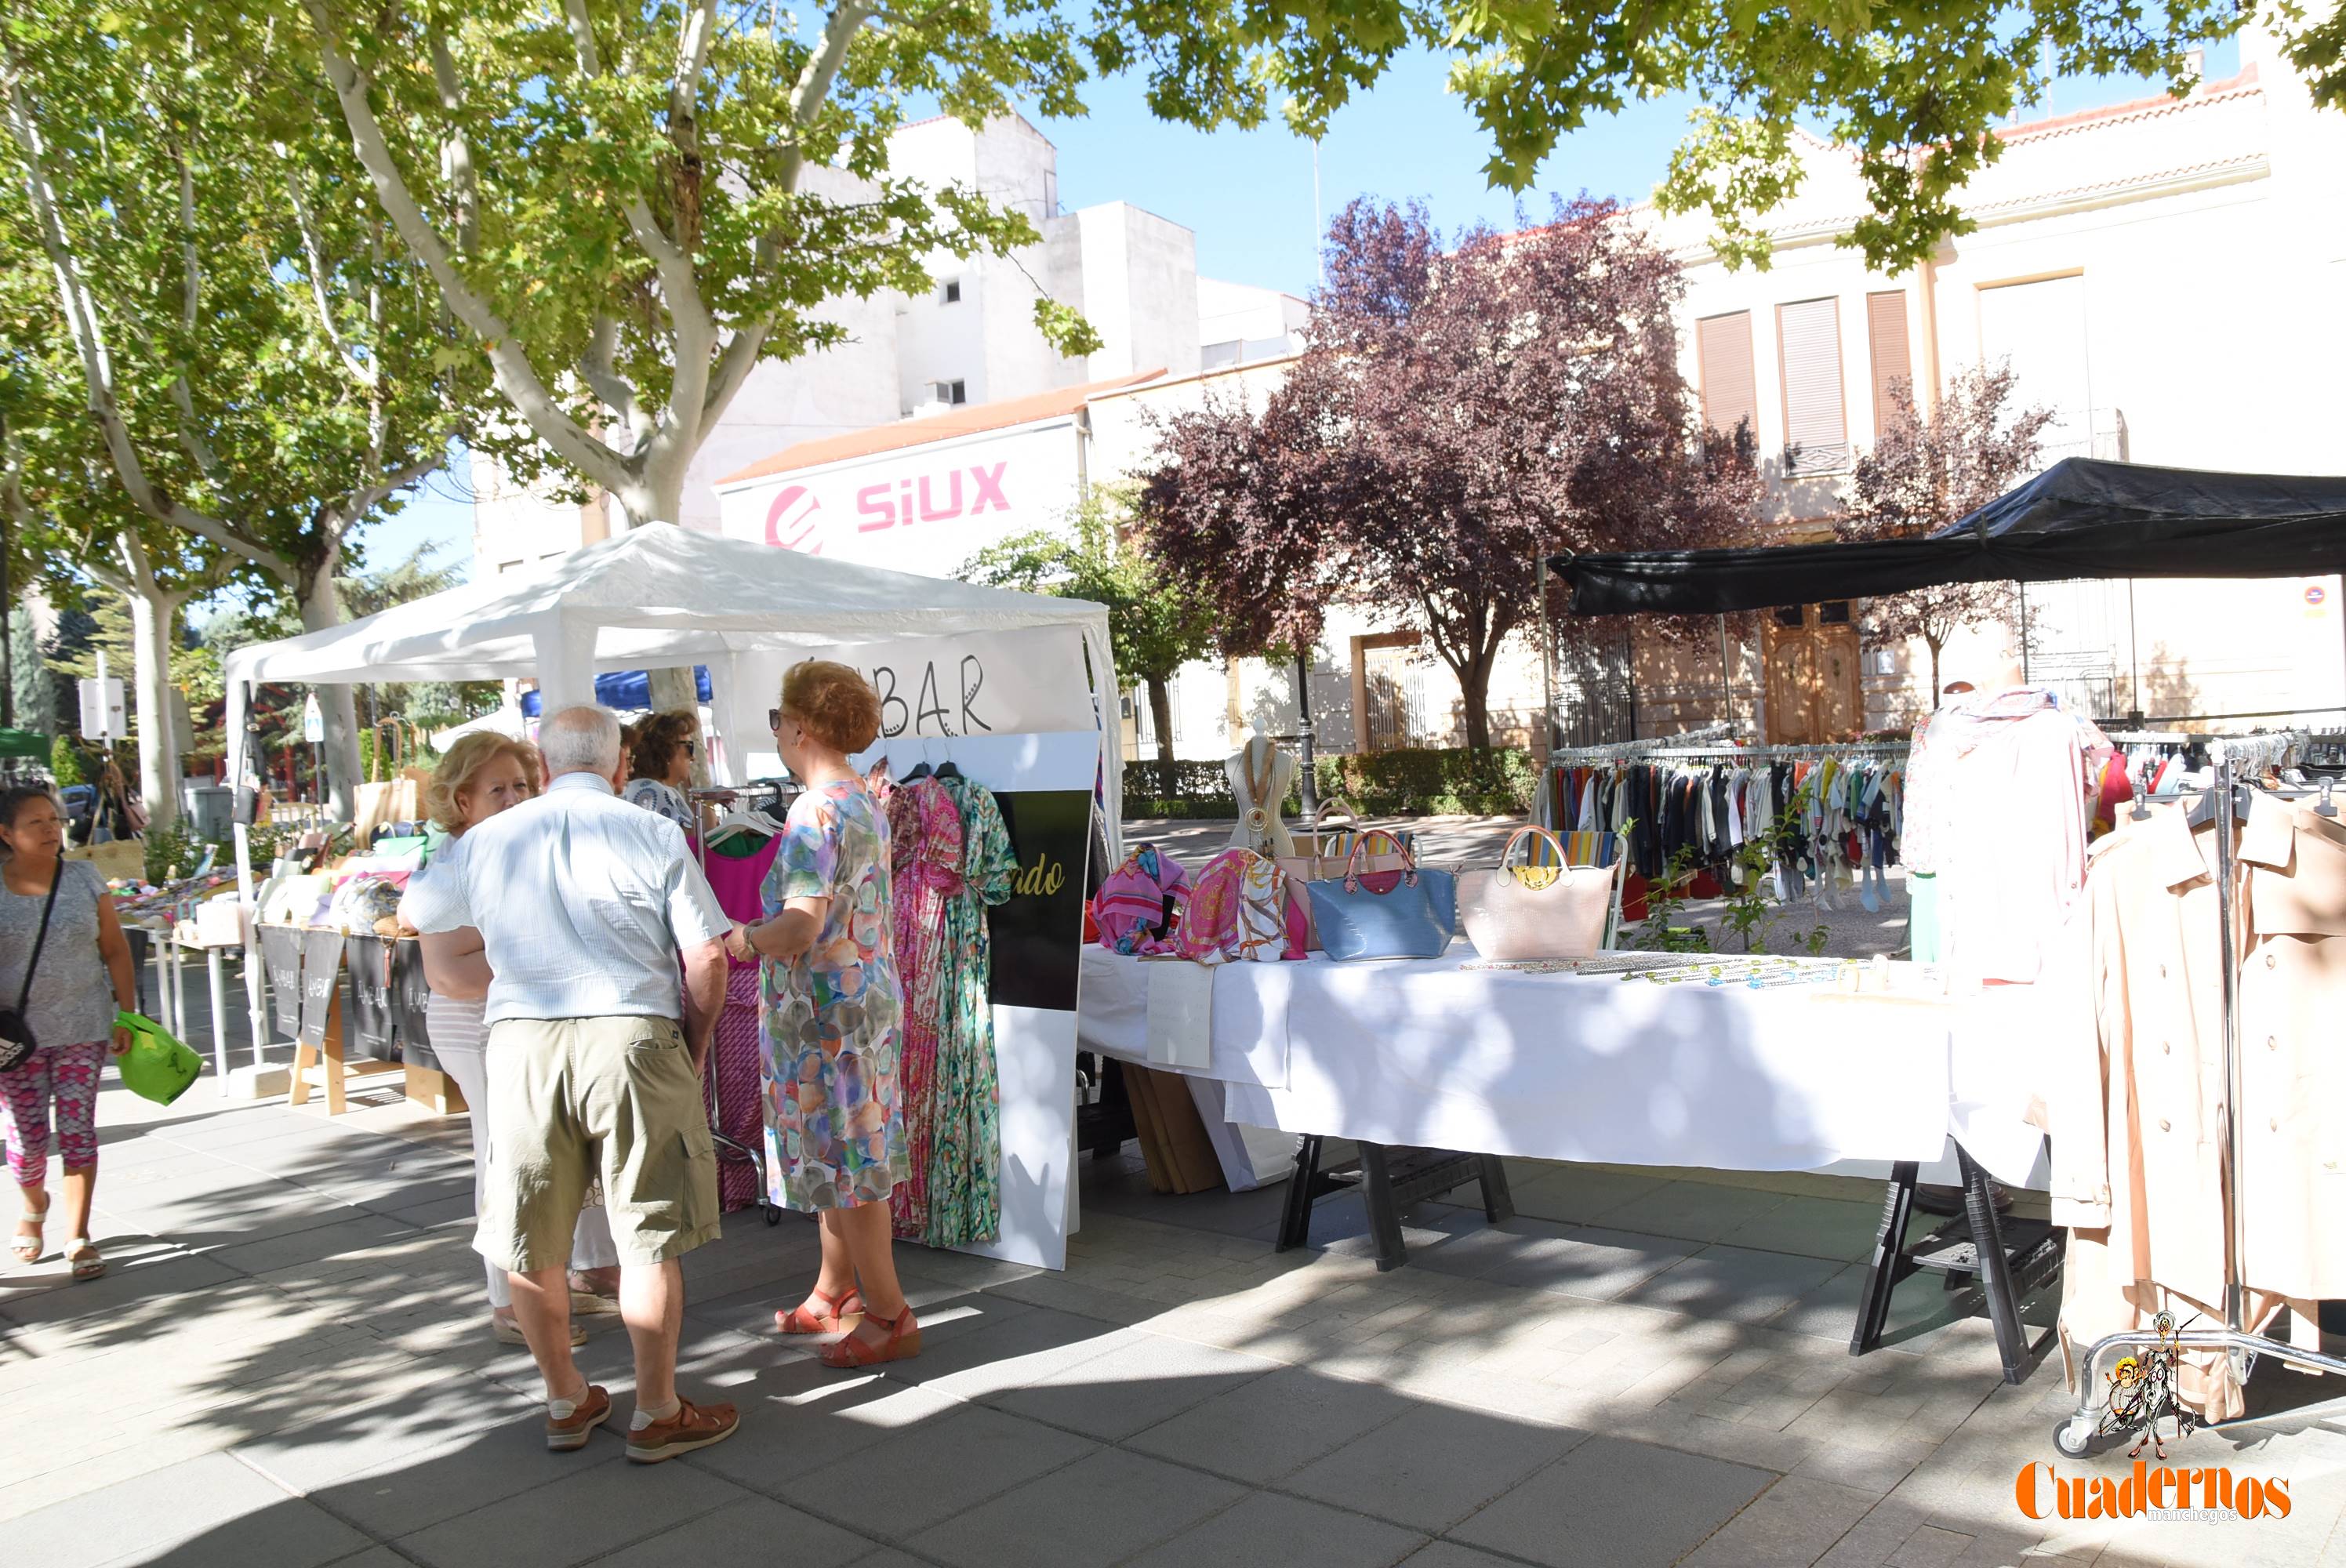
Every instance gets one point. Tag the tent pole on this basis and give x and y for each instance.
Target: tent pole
(2023, 634)
(1726, 678)
(2133, 657)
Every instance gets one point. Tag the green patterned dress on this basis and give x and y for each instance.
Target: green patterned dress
(964, 1185)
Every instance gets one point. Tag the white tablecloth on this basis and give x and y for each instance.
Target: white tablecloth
(1559, 1066)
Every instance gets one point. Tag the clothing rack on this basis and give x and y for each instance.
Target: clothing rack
(1863, 748)
(2073, 1435)
(1624, 750)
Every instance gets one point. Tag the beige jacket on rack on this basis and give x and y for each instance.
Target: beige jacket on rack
(2135, 1122)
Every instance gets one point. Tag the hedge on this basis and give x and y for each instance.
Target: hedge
(1404, 783)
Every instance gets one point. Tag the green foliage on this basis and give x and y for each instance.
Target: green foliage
(65, 761)
(1413, 781)
(1665, 901)
(181, 847)
(1406, 783)
(1155, 624)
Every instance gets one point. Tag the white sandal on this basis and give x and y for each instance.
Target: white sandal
(82, 1253)
(28, 1248)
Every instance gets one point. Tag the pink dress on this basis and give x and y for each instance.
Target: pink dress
(925, 840)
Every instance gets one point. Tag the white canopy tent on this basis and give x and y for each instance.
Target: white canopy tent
(661, 597)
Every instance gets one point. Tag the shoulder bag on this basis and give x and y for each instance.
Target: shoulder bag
(1378, 869)
(16, 1041)
(1415, 918)
(1536, 911)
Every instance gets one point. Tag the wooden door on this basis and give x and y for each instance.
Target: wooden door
(1814, 693)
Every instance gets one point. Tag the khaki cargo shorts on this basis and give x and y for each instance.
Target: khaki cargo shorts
(574, 1098)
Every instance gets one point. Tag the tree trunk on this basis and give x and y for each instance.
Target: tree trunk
(159, 741)
(1160, 713)
(662, 500)
(319, 609)
(1932, 704)
(1475, 691)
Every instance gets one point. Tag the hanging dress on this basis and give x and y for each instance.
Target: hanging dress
(964, 1190)
(925, 838)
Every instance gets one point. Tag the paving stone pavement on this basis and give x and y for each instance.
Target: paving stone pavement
(289, 1367)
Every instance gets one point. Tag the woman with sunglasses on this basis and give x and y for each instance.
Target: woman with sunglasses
(660, 753)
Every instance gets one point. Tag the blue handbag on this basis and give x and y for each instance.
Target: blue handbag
(1414, 920)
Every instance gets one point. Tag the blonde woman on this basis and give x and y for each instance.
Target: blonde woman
(481, 775)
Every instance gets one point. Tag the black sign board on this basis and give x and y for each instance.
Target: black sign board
(322, 974)
(280, 960)
(1038, 933)
(410, 994)
(370, 1027)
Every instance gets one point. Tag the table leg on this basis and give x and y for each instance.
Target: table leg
(1995, 1269)
(1885, 1267)
(1384, 1223)
(179, 986)
(1498, 1198)
(213, 967)
(1295, 1213)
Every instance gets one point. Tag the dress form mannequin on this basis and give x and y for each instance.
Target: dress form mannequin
(1259, 774)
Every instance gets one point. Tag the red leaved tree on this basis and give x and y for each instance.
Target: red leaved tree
(1457, 413)
(1924, 473)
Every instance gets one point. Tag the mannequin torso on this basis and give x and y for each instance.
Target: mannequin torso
(1260, 774)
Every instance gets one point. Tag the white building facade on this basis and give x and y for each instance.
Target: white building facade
(970, 340)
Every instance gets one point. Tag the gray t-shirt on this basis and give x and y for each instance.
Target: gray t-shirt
(73, 997)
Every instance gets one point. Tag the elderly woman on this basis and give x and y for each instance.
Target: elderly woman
(481, 775)
(65, 967)
(828, 1021)
(661, 748)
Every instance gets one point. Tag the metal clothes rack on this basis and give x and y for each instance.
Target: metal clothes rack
(2074, 1435)
(1627, 750)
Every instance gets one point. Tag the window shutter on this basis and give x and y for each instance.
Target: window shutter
(1810, 335)
(1723, 349)
(1885, 331)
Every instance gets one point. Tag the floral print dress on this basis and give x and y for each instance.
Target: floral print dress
(829, 1020)
(926, 847)
(965, 1174)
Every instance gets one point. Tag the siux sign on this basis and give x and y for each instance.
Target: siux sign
(925, 509)
(794, 518)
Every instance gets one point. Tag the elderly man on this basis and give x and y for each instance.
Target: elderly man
(584, 903)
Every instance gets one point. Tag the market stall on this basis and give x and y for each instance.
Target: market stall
(998, 686)
(2189, 968)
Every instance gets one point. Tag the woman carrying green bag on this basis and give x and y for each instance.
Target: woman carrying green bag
(65, 972)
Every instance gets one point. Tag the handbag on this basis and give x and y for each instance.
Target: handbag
(1380, 872)
(156, 1067)
(1414, 918)
(1239, 909)
(16, 1041)
(1536, 911)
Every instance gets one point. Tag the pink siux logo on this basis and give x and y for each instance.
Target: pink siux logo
(792, 521)
(930, 498)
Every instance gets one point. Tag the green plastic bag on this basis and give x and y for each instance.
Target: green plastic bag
(156, 1067)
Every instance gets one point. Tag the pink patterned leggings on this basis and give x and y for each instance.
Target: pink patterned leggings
(69, 1076)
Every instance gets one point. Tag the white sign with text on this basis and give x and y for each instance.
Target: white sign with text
(925, 509)
(1025, 682)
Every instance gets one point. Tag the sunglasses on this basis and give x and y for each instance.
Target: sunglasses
(692, 748)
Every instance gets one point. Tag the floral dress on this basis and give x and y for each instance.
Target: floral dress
(965, 1167)
(828, 1023)
(925, 846)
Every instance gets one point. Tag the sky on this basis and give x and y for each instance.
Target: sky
(1248, 196)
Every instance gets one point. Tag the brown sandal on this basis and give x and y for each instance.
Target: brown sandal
(832, 1320)
(903, 1343)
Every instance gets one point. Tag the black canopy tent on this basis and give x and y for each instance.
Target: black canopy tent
(2082, 517)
